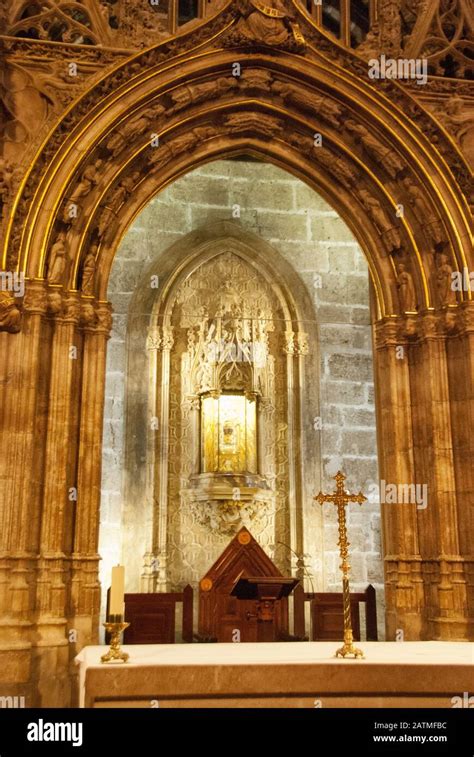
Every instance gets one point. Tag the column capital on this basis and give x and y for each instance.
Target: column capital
(96, 317)
(35, 301)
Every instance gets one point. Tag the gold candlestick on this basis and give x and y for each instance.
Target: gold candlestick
(115, 627)
(341, 498)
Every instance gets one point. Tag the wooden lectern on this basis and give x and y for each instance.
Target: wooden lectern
(265, 591)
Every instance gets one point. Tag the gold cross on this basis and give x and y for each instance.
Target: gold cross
(341, 498)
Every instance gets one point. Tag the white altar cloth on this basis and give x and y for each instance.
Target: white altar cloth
(278, 674)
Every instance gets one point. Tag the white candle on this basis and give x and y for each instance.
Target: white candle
(117, 590)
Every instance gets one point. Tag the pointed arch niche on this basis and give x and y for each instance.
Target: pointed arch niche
(249, 336)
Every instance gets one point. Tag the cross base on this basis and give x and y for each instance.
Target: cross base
(350, 650)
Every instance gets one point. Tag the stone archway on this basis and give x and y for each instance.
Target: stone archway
(178, 105)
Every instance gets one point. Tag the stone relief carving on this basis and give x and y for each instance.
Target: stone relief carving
(10, 316)
(225, 338)
(406, 289)
(88, 271)
(58, 259)
(318, 105)
(9, 176)
(390, 232)
(135, 25)
(151, 57)
(239, 123)
(160, 156)
(226, 517)
(457, 116)
(384, 156)
(446, 294)
(89, 179)
(424, 215)
(232, 326)
(339, 167)
(385, 33)
(191, 94)
(114, 201)
(266, 22)
(132, 130)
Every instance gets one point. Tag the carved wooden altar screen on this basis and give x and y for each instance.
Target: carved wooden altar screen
(221, 615)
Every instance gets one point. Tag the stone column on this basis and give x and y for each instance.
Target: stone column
(162, 514)
(301, 350)
(22, 449)
(460, 350)
(403, 581)
(85, 588)
(51, 650)
(294, 502)
(147, 577)
(434, 460)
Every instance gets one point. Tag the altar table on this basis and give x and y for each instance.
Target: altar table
(278, 674)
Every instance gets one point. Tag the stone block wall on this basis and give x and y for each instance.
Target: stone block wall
(313, 238)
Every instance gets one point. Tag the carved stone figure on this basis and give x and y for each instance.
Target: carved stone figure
(159, 156)
(89, 179)
(406, 289)
(191, 94)
(58, 257)
(88, 314)
(256, 79)
(319, 105)
(390, 232)
(423, 213)
(266, 22)
(55, 303)
(385, 33)
(10, 316)
(239, 123)
(129, 130)
(88, 271)
(384, 156)
(444, 281)
(337, 166)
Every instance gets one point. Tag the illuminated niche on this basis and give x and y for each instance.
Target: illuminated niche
(228, 433)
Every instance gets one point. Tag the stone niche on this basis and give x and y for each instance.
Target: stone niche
(225, 347)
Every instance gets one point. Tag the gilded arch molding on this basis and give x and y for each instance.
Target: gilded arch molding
(262, 112)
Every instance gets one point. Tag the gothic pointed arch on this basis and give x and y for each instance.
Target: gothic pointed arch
(230, 320)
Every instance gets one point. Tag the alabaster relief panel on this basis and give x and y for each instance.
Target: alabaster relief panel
(228, 422)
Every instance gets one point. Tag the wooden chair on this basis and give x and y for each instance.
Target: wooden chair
(152, 617)
(327, 619)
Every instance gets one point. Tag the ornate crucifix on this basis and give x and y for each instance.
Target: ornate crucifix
(341, 498)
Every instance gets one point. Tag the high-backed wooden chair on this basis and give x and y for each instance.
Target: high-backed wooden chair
(327, 618)
(152, 617)
(221, 613)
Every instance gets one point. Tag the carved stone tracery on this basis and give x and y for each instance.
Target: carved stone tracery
(226, 315)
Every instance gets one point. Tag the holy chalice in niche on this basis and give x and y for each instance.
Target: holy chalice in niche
(228, 433)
